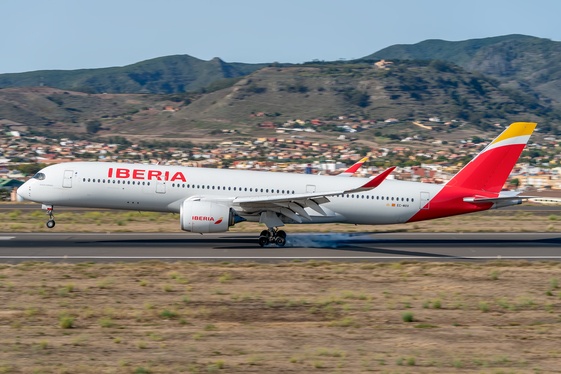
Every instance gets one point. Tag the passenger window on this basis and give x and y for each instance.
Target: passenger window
(173, 185)
(267, 190)
(282, 191)
(245, 189)
(213, 187)
(208, 187)
(143, 183)
(183, 185)
(234, 188)
(229, 188)
(88, 179)
(129, 182)
(412, 200)
(407, 199)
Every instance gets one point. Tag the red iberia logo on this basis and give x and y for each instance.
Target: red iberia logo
(219, 220)
(202, 218)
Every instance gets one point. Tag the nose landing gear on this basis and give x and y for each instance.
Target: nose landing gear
(272, 236)
(51, 222)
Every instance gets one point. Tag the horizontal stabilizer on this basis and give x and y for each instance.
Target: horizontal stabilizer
(476, 200)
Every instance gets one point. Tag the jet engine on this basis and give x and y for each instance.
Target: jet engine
(206, 216)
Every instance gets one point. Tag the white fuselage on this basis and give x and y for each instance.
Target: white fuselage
(163, 188)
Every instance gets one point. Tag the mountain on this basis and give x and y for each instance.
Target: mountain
(517, 61)
(164, 75)
(406, 90)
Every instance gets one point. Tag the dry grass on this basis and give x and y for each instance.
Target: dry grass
(289, 317)
(115, 221)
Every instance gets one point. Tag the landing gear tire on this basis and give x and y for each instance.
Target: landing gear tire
(50, 223)
(263, 241)
(280, 241)
(272, 236)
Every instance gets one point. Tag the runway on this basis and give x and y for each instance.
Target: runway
(235, 247)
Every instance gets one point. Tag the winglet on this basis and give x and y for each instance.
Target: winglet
(353, 169)
(375, 182)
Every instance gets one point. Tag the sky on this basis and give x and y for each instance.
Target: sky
(77, 34)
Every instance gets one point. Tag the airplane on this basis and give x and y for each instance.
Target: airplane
(212, 200)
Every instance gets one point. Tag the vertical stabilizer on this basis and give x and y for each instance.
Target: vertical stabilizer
(489, 170)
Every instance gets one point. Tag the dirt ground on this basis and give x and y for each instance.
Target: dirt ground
(115, 221)
(297, 317)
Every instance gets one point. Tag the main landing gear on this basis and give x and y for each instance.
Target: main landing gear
(51, 222)
(272, 236)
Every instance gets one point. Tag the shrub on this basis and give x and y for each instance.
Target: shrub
(66, 322)
(225, 278)
(483, 306)
(494, 275)
(167, 287)
(425, 326)
(411, 361)
(105, 283)
(407, 317)
(554, 283)
(437, 304)
(141, 345)
(166, 313)
(106, 322)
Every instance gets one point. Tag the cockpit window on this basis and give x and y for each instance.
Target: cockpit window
(39, 176)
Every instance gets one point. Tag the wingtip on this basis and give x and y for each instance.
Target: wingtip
(375, 182)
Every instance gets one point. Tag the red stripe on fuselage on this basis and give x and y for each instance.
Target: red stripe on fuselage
(450, 202)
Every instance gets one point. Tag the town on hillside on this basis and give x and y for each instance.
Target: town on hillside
(288, 150)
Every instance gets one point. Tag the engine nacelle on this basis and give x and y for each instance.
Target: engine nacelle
(205, 216)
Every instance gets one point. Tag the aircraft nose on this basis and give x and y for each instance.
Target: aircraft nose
(21, 190)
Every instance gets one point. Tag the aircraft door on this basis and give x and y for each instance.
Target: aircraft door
(425, 200)
(310, 188)
(161, 187)
(67, 178)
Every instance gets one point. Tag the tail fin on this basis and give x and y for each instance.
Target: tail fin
(489, 170)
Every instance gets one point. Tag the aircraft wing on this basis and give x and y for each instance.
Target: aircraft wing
(353, 169)
(292, 206)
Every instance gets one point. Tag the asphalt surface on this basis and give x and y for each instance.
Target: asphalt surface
(235, 247)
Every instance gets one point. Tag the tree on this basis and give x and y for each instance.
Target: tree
(93, 126)
(515, 182)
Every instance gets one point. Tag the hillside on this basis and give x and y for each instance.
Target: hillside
(164, 75)
(406, 90)
(518, 61)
